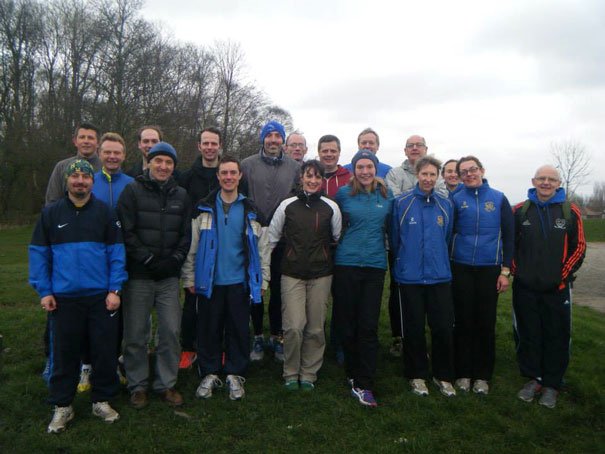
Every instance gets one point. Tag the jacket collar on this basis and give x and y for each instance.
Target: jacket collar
(558, 197)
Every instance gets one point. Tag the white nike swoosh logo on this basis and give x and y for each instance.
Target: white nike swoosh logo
(113, 313)
(62, 225)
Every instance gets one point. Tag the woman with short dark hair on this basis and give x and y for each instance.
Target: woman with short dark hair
(309, 222)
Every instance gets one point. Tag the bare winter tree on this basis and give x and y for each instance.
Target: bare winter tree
(65, 61)
(596, 201)
(573, 161)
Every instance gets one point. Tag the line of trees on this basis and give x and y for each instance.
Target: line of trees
(67, 61)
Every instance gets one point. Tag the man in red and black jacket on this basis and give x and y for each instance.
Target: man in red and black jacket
(549, 248)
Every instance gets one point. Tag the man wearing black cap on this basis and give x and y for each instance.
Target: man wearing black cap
(155, 215)
(79, 232)
(268, 178)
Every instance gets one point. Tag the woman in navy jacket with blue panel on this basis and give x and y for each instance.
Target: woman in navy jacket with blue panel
(420, 232)
(481, 254)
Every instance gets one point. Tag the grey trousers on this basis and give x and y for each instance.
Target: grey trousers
(142, 295)
(304, 306)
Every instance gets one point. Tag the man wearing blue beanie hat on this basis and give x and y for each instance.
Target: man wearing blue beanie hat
(162, 148)
(272, 126)
(268, 178)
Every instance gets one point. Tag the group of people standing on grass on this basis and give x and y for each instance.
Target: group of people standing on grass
(306, 229)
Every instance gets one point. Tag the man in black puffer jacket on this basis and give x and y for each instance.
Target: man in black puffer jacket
(156, 220)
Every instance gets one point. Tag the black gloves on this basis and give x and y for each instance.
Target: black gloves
(164, 268)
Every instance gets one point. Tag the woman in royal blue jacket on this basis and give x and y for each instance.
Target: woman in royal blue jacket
(481, 254)
(360, 265)
(420, 234)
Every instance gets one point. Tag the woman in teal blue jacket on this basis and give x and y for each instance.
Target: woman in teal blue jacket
(360, 265)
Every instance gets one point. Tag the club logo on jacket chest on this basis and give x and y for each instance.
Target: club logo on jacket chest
(560, 224)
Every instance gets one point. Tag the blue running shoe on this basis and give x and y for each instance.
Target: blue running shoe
(258, 348)
(364, 396)
(276, 344)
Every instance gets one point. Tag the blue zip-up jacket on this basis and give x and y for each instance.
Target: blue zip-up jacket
(483, 227)
(421, 228)
(365, 217)
(199, 268)
(108, 187)
(77, 252)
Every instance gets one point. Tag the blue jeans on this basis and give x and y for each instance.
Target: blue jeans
(142, 295)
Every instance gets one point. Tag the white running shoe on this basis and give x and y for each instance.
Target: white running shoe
(445, 387)
(463, 384)
(208, 383)
(104, 411)
(481, 387)
(236, 387)
(419, 387)
(61, 417)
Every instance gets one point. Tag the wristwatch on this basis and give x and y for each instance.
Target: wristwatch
(116, 292)
(505, 273)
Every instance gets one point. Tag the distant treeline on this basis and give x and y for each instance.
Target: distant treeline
(67, 61)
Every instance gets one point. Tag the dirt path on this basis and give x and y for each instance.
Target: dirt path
(589, 287)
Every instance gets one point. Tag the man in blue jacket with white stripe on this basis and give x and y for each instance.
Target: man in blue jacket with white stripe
(77, 266)
(223, 271)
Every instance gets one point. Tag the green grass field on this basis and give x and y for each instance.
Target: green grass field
(594, 229)
(271, 419)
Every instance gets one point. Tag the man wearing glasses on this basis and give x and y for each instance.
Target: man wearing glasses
(296, 146)
(549, 249)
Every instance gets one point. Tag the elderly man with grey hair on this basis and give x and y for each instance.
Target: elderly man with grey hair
(549, 249)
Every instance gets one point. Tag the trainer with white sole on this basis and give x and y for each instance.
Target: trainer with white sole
(77, 266)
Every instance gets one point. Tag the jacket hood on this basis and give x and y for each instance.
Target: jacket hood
(340, 171)
(558, 197)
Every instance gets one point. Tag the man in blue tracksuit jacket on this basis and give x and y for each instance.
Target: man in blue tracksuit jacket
(421, 227)
(77, 266)
(223, 269)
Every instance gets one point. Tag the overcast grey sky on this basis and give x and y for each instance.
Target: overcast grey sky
(500, 80)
